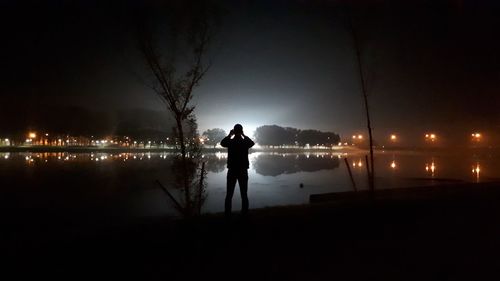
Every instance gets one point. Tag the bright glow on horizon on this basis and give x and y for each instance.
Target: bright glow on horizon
(249, 128)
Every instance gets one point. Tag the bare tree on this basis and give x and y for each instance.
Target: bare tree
(174, 50)
(364, 91)
(177, 64)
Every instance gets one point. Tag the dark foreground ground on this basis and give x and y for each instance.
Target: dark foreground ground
(439, 233)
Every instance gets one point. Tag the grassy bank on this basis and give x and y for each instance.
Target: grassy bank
(442, 233)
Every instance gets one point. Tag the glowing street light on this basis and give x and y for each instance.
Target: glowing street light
(32, 135)
(430, 137)
(393, 164)
(476, 136)
(393, 137)
(357, 139)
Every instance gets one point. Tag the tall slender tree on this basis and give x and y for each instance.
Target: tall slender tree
(175, 58)
(173, 41)
(364, 91)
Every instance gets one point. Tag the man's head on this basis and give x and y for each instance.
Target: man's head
(238, 129)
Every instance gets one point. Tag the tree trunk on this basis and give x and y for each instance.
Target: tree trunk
(180, 133)
(371, 171)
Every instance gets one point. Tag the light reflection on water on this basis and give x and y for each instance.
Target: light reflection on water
(430, 168)
(268, 163)
(276, 178)
(476, 170)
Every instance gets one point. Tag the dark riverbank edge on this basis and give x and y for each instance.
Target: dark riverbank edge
(449, 232)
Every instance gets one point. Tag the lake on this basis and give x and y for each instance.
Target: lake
(119, 186)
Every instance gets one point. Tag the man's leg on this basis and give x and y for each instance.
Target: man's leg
(231, 183)
(243, 181)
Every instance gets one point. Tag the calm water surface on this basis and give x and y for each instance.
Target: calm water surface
(122, 185)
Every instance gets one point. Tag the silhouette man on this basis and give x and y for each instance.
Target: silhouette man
(237, 164)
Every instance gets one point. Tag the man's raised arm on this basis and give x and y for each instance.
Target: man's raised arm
(225, 141)
(249, 142)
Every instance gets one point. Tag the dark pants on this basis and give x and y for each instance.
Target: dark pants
(242, 177)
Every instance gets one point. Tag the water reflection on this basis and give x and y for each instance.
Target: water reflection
(44, 157)
(277, 164)
(476, 170)
(430, 168)
(215, 163)
(275, 178)
(357, 164)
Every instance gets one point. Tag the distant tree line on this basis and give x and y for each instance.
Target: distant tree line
(276, 135)
(214, 136)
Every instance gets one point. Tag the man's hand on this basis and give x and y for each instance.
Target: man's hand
(231, 133)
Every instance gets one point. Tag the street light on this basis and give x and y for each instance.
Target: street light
(394, 137)
(430, 137)
(476, 137)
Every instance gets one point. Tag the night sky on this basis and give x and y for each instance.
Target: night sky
(431, 65)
